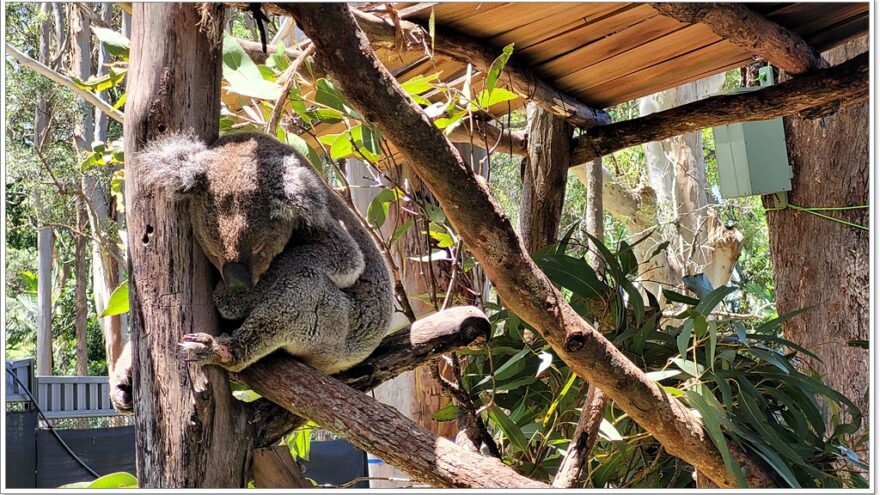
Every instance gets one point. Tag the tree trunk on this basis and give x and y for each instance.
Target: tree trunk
(188, 426)
(106, 272)
(45, 236)
(822, 263)
(45, 246)
(544, 178)
(82, 304)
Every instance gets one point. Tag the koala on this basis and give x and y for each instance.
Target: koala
(297, 268)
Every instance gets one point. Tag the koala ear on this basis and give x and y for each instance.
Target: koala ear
(175, 163)
(305, 195)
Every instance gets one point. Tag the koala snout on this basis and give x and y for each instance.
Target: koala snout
(237, 277)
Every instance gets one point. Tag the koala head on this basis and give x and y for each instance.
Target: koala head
(247, 195)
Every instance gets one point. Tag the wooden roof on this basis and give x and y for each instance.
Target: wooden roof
(609, 53)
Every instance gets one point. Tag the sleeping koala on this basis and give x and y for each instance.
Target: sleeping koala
(296, 264)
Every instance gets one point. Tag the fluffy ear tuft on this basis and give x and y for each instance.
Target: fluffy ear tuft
(175, 163)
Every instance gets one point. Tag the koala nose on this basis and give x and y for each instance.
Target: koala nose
(237, 277)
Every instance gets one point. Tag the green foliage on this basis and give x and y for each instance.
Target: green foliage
(740, 380)
(113, 480)
(118, 302)
(300, 441)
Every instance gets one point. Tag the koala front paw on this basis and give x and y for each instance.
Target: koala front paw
(201, 348)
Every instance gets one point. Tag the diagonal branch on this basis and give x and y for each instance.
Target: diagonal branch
(846, 83)
(743, 26)
(378, 428)
(64, 81)
(344, 52)
(423, 342)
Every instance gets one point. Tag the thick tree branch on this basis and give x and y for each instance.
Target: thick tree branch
(344, 51)
(64, 81)
(408, 36)
(378, 428)
(743, 26)
(421, 343)
(847, 83)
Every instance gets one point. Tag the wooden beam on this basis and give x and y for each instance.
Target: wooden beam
(378, 428)
(846, 83)
(408, 36)
(743, 26)
(344, 51)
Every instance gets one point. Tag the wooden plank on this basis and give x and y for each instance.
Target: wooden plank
(625, 48)
(81, 389)
(552, 27)
(55, 403)
(68, 397)
(808, 19)
(855, 27)
(42, 394)
(658, 51)
(585, 33)
(516, 17)
(664, 75)
(105, 397)
(94, 389)
(451, 14)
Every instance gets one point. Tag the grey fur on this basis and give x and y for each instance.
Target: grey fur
(322, 290)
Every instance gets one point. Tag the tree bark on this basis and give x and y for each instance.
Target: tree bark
(81, 308)
(822, 263)
(45, 246)
(378, 428)
(45, 236)
(105, 270)
(744, 27)
(187, 423)
(543, 181)
(344, 52)
(420, 344)
(846, 83)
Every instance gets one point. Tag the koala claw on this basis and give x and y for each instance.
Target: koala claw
(202, 348)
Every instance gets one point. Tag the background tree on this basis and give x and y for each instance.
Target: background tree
(820, 263)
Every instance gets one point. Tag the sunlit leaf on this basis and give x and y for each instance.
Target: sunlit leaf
(496, 68)
(116, 44)
(446, 413)
(118, 302)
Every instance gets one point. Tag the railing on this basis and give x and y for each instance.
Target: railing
(24, 371)
(60, 396)
(74, 396)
